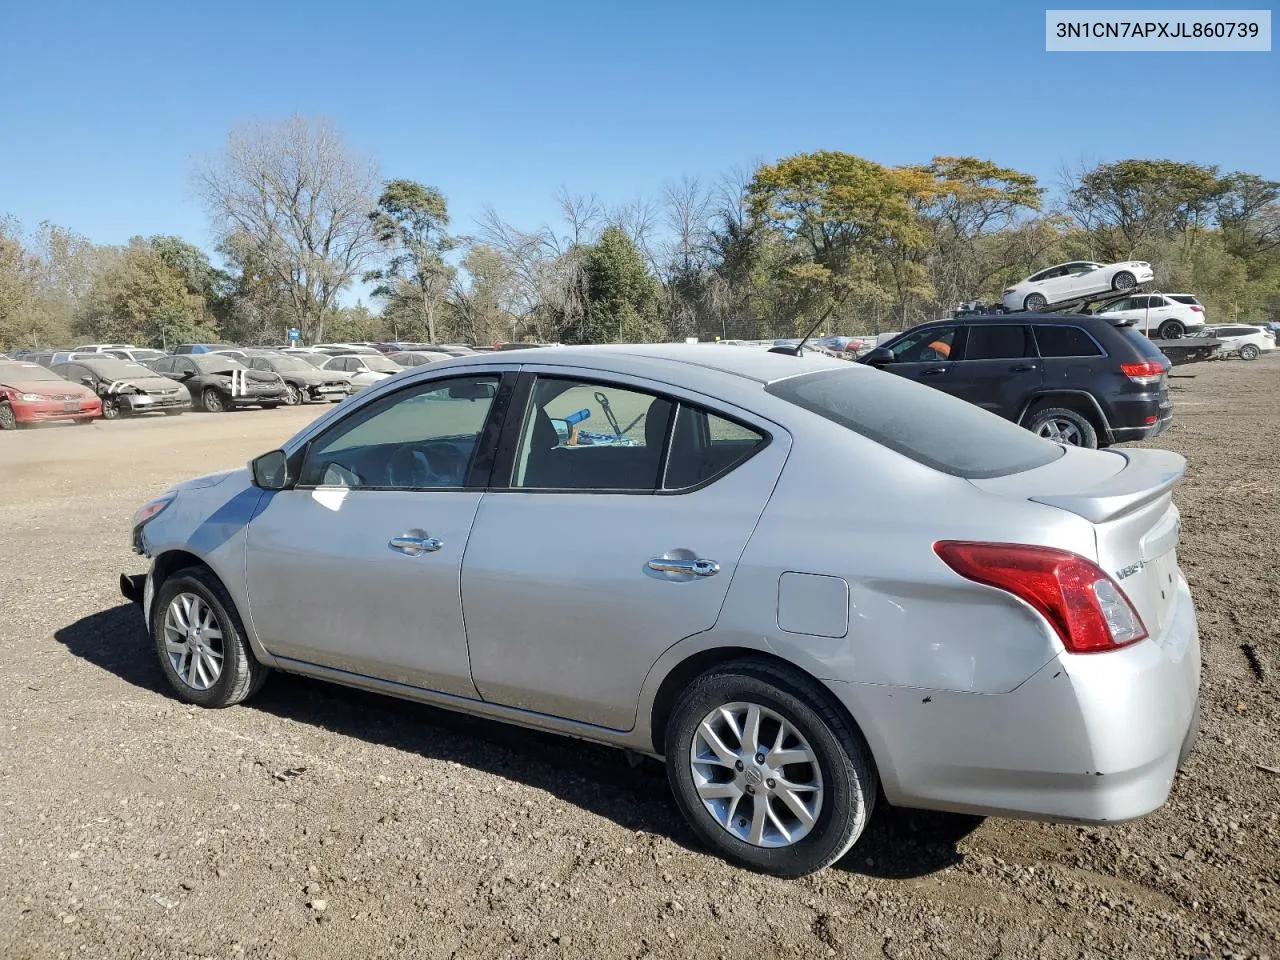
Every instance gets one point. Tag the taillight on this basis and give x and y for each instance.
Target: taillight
(1148, 371)
(1087, 609)
(1197, 309)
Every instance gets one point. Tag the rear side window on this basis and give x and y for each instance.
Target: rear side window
(1005, 341)
(1184, 299)
(926, 425)
(704, 446)
(1065, 342)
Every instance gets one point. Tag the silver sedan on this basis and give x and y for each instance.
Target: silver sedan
(643, 546)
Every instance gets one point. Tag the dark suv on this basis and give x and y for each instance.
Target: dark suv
(1077, 379)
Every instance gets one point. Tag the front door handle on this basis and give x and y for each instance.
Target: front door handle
(413, 546)
(933, 371)
(1023, 367)
(694, 568)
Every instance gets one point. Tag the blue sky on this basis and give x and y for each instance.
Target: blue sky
(106, 106)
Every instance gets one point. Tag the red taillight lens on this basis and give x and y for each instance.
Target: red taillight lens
(1149, 371)
(1086, 607)
(1197, 309)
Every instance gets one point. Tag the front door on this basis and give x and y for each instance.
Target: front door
(926, 356)
(607, 549)
(357, 567)
(998, 370)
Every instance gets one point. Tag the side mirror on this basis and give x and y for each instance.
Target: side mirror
(270, 471)
(87, 381)
(879, 357)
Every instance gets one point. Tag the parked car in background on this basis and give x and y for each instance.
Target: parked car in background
(1030, 650)
(837, 344)
(1241, 340)
(30, 393)
(48, 358)
(219, 383)
(125, 387)
(1165, 316)
(188, 348)
(316, 358)
(1066, 282)
(343, 349)
(416, 358)
(1080, 380)
(135, 354)
(303, 382)
(102, 347)
(363, 369)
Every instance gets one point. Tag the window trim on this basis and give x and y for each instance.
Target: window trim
(1102, 351)
(474, 481)
(521, 403)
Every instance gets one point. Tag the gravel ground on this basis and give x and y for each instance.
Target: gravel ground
(321, 822)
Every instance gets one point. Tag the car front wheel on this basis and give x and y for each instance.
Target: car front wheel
(8, 419)
(1124, 281)
(293, 396)
(201, 642)
(212, 401)
(768, 772)
(110, 410)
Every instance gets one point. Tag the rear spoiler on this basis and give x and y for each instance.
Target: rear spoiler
(1147, 476)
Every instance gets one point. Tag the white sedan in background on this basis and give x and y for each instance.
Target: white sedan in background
(1072, 281)
(364, 369)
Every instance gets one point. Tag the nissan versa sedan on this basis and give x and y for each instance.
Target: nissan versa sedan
(630, 544)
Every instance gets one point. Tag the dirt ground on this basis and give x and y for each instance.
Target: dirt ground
(320, 822)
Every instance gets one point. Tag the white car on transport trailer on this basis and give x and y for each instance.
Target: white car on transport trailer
(1069, 282)
(1242, 340)
(1165, 316)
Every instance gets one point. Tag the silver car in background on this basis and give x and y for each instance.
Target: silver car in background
(630, 544)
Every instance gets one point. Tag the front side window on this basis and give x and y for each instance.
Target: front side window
(591, 436)
(926, 346)
(1006, 341)
(419, 439)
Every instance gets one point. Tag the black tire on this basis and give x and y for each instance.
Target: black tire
(8, 419)
(211, 400)
(1172, 330)
(82, 420)
(241, 674)
(1124, 281)
(849, 779)
(270, 404)
(1063, 426)
(1034, 302)
(293, 396)
(110, 409)
(173, 413)
(1250, 351)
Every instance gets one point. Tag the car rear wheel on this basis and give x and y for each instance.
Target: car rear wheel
(1249, 352)
(1063, 426)
(768, 772)
(294, 396)
(201, 642)
(212, 401)
(1172, 330)
(270, 404)
(1124, 281)
(8, 419)
(1034, 302)
(110, 410)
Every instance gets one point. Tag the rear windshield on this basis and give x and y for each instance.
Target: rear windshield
(929, 426)
(1145, 347)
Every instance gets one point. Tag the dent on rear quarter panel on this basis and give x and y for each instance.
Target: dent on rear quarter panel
(847, 508)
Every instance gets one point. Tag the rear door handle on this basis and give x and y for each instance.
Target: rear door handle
(694, 568)
(1023, 367)
(413, 546)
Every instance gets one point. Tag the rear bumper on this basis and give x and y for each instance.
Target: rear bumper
(1089, 738)
(34, 411)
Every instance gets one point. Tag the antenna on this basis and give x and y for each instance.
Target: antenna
(795, 351)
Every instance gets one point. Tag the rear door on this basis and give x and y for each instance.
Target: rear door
(998, 369)
(627, 511)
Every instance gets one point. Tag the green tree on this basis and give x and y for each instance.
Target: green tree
(410, 222)
(621, 294)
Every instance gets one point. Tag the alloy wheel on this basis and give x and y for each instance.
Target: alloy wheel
(1060, 431)
(293, 396)
(110, 410)
(756, 774)
(8, 419)
(193, 641)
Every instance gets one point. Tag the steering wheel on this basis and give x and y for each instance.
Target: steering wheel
(410, 467)
(450, 464)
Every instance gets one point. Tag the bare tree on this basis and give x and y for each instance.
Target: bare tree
(301, 197)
